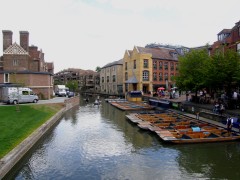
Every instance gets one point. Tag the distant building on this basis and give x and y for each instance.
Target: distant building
(88, 80)
(111, 78)
(227, 39)
(25, 65)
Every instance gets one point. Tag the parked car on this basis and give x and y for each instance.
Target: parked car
(15, 95)
(70, 94)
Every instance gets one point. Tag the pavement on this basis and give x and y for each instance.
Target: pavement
(209, 107)
(49, 101)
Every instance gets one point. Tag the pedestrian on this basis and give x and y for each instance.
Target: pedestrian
(197, 115)
(229, 124)
(222, 108)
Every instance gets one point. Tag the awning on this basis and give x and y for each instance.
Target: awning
(132, 80)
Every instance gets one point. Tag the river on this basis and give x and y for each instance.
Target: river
(98, 142)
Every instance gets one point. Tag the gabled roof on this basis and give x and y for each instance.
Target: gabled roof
(159, 53)
(15, 49)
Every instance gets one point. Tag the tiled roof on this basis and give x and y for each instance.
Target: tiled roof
(119, 62)
(15, 49)
(160, 53)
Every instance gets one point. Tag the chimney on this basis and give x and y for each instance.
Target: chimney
(7, 39)
(24, 40)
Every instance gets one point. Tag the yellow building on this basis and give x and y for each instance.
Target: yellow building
(137, 68)
(147, 68)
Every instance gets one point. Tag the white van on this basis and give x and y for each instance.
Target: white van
(14, 95)
(60, 90)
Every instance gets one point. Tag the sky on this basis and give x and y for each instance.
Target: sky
(85, 34)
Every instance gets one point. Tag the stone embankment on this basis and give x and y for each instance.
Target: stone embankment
(14, 156)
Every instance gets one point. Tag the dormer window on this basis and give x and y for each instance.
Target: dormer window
(174, 55)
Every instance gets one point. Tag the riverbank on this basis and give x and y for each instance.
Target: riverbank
(23, 120)
(15, 155)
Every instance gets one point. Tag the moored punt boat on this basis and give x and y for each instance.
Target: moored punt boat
(133, 119)
(197, 137)
(131, 106)
(181, 129)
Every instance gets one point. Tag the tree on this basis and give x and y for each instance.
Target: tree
(223, 71)
(98, 69)
(72, 85)
(192, 70)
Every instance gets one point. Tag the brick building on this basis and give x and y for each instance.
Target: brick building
(228, 39)
(24, 65)
(88, 80)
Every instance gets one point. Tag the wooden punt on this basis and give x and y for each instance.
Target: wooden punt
(183, 130)
(131, 106)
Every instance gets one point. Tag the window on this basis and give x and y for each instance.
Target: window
(6, 78)
(114, 78)
(145, 75)
(145, 63)
(176, 66)
(107, 78)
(160, 77)
(166, 76)
(126, 76)
(166, 65)
(172, 66)
(134, 64)
(15, 62)
(155, 76)
(102, 79)
(125, 65)
(126, 87)
(154, 65)
(25, 92)
(160, 65)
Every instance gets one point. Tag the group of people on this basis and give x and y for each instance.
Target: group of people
(219, 108)
(161, 93)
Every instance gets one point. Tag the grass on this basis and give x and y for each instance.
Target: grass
(16, 126)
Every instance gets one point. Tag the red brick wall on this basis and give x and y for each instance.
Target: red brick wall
(23, 62)
(39, 83)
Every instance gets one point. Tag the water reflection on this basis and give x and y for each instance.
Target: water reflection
(98, 142)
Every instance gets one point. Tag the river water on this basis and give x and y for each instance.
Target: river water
(98, 142)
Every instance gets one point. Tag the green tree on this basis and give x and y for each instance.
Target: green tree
(98, 69)
(192, 70)
(72, 85)
(223, 71)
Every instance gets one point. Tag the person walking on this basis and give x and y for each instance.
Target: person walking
(229, 124)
